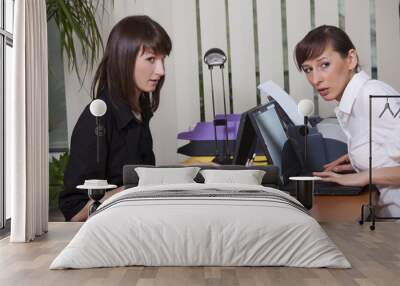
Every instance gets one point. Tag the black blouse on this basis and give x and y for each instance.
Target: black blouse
(126, 141)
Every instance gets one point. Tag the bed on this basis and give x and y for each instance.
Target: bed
(201, 224)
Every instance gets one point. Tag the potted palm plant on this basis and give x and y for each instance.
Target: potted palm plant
(79, 32)
(56, 179)
(79, 35)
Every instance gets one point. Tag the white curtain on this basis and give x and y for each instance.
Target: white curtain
(27, 124)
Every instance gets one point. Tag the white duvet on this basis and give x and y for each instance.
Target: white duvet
(183, 231)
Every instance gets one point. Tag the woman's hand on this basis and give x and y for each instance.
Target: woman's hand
(354, 180)
(340, 165)
(111, 193)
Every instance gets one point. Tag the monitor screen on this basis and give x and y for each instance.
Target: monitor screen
(245, 141)
(270, 131)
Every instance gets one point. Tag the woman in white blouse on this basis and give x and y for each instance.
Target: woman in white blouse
(329, 59)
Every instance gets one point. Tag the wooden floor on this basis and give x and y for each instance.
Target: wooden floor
(374, 255)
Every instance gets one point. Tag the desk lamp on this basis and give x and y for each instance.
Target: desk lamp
(97, 188)
(98, 108)
(306, 108)
(305, 183)
(216, 57)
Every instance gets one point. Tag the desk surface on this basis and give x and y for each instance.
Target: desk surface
(326, 208)
(338, 208)
(258, 160)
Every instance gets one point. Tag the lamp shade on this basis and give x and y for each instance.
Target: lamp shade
(98, 107)
(215, 57)
(305, 107)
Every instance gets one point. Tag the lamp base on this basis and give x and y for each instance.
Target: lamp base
(304, 130)
(93, 207)
(223, 160)
(96, 195)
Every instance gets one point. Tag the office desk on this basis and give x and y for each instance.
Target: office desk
(258, 160)
(326, 208)
(338, 208)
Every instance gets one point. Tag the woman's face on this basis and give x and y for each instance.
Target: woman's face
(149, 69)
(330, 73)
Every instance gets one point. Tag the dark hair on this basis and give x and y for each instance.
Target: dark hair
(115, 72)
(315, 42)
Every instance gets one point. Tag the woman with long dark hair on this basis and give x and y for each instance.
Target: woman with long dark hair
(128, 79)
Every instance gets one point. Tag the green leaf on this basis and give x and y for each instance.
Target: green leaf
(57, 169)
(79, 32)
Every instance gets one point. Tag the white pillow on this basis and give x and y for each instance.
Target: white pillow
(248, 177)
(162, 176)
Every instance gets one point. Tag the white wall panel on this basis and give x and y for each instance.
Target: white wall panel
(269, 27)
(298, 25)
(388, 41)
(242, 55)
(164, 123)
(184, 34)
(326, 13)
(213, 35)
(77, 96)
(184, 44)
(124, 8)
(357, 25)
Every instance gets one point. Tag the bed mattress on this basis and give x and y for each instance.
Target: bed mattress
(201, 225)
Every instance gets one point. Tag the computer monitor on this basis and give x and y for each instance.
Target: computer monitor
(270, 131)
(262, 128)
(246, 141)
(268, 125)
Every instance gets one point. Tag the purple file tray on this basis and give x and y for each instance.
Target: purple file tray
(205, 130)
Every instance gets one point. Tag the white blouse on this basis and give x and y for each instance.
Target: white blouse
(353, 116)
